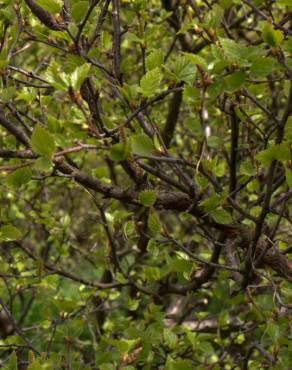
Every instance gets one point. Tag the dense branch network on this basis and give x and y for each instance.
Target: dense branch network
(187, 139)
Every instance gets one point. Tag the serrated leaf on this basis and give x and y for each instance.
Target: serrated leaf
(79, 10)
(178, 364)
(52, 6)
(19, 177)
(141, 145)
(274, 332)
(12, 363)
(214, 18)
(280, 152)
(35, 365)
(43, 164)
(288, 129)
(262, 66)
(219, 170)
(211, 203)
(152, 248)
(184, 70)
(147, 197)
(234, 81)
(154, 60)
(221, 216)
(232, 50)
(79, 75)
(119, 152)
(271, 36)
(150, 82)
(288, 174)
(246, 168)
(196, 59)
(129, 229)
(9, 232)
(42, 142)
(170, 338)
(154, 223)
(8, 93)
(56, 78)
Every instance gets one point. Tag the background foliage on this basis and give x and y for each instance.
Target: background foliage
(145, 184)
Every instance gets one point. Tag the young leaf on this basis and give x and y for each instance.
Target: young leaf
(246, 168)
(184, 70)
(43, 164)
(272, 37)
(78, 10)
(154, 60)
(234, 81)
(42, 142)
(19, 177)
(147, 197)
(211, 203)
(262, 66)
(280, 152)
(196, 59)
(154, 223)
(150, 82)
(119, 152)
(52, 6)
(79, 75)
(12, 362)
(288, 174)
(9, 232)
(233, 51)
(141, 145)
(221, 216)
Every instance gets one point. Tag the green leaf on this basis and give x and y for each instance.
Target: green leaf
(274, 331)
(8, 93)
(178, 364)
(35, 365)
(119, 152)
(221, 216)
(170, 338)
(234, 81)
(79, 75)
(288, 129)
(129, 229)
(154, 60)
(56, 78)
(212, 202)
(271, 36)
(280, 152)
(52, 6)
(196, 59)
(42, 142)
(184, 70)
(246, 168)
(147, 197)
(19, 177)
(43, 164)
(79, 10)
(150, 82)
(154, 223)
(12, 363)
(233, 51)
(215, 142)
(141, 145)
(219, 170)
(288, 174)
(9, 232)
(262, 66)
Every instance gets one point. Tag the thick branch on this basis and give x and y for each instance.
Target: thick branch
(45, 17)
(14, 130)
